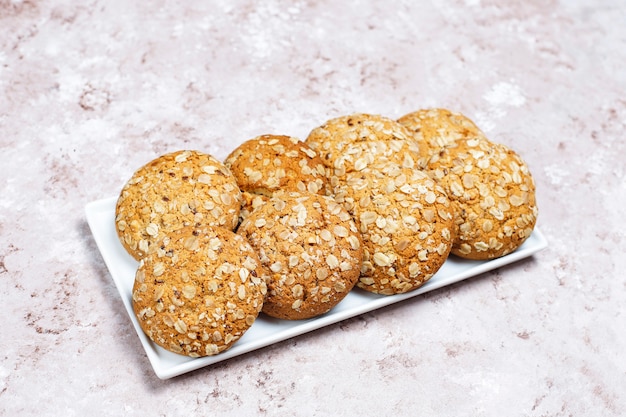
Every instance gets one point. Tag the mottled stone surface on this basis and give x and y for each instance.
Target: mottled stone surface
(89, 91)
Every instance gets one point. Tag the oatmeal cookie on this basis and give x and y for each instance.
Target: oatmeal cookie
(435, 129)
(493, 193)
(312, 249)
(406, 222)
(184, 188)
(352, 143)
(271, 163)
(198, 290)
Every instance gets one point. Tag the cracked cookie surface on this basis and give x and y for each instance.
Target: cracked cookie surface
(435, 129)
(198, 290)
(184, 188)
(272, 163)
(311, 249)
(493, 194)
(352, 143)
(406, 222)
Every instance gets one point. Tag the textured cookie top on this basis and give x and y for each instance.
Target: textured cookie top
(198, 290)
(493, 194)
(435, 129)
(271, 163)
(406, 221)
(184, 188)
(352, 143)
(250, 203)
(312, 250)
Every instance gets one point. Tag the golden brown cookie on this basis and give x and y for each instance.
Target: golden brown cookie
(312, 250)
(493, 194)
(184, 188)
(352, 143)
(198, 290)
(271, 163)
(437, 128)
(406, 222)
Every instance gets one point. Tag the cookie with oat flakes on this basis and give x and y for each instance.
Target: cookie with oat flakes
(198, 290)
(436, 128)
(352, 143)
(270, 163)
(493, 194)
(311, 249)
(250, 202)
(406, 222)
(183, 188)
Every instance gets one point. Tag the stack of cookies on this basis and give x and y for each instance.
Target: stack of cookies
(289, 228)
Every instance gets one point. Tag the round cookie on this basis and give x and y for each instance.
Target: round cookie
(406, 222)
(310, 247)
(184, 188)
(352, 143)
(493, 194)
(435, 129)
(198, 290)
(271, 163)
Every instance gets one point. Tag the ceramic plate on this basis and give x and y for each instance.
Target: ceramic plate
(266, 331)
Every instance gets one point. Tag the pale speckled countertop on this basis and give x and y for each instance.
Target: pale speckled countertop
(90, 91)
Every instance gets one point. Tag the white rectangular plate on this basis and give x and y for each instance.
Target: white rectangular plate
(266, 331)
